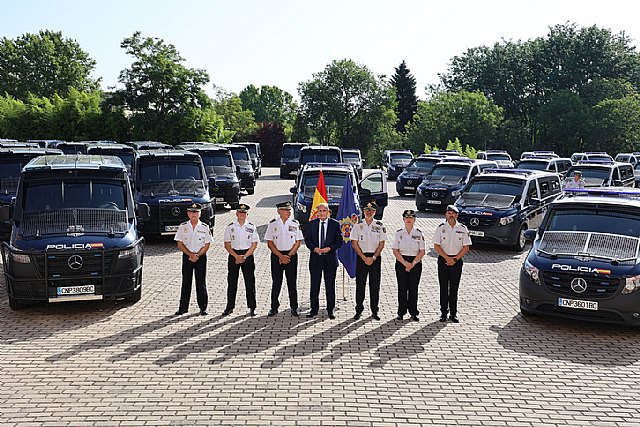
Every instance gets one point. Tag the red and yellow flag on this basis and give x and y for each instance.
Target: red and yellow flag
(319, 196)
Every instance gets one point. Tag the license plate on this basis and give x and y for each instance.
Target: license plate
(576, 303)
(219, 199)
(76, 290)
(434, 202)
(476, 233)
(410, 188)
(171, 227)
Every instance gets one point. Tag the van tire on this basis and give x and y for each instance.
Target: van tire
(525, 313)
(521, 242)
(137, 295)
(15, 304)
(251, 190)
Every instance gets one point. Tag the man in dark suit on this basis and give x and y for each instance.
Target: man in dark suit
(323, 238)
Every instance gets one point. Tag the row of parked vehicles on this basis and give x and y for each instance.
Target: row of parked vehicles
(73, 223)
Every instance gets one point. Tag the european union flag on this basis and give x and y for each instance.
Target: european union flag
(348, 216)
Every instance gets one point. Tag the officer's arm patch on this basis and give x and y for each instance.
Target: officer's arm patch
(273, 220)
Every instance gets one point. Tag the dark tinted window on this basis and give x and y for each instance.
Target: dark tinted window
(252, 150)
(422, 165)
(216, 160)
(448, 170)
(401, 156)
(496, 186)
(320, 156)
(599, 221)
(76, 194)
(498, 156)
(159, 172)
(530, 165)
(350, 157)
(291, 151)
(11, 168)
(240, 154)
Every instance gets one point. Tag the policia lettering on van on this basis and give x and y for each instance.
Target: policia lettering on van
(74, 233)
(584, 262)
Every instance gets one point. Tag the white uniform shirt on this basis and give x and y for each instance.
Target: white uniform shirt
(572, 183)
(241, 237)
(284, 235)
(192, 238)
(451, 239)
(409, 244)
(369, 236)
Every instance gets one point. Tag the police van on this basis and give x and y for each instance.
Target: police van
(604, 173)
(584, 263)
(443, 185)
(498, 206)
(169, 181)
(413, 175)
(12, 160)
(501, 157)
(74, 235)
(290, 159)
(124, 152)
(244, 167)
(372, 187)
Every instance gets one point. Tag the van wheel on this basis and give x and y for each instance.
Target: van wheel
(234, 205)
(15, 304)
(137, 295)
(525, 313)
(421, 208)
(402, 193)
(251, 190)
(521, 242)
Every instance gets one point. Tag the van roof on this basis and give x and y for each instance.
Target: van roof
(75, 161)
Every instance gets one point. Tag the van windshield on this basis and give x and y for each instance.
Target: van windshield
(171, 179)
(291, 151)
(217, 164)
(10, 174)
(74, 194)
(334, 181)
(611, 221)
(240, 155)
(423, 166)
(350, 157)
(495, 186)
(319, 156)
(253, 152)
(532, 166)
(498, 156)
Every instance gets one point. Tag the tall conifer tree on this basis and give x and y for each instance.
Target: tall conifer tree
(405, 85)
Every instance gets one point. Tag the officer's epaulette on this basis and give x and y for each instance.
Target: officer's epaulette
(295, 221)
(378, 222)
(230, 224)
(250, 223)
(418, 230)
(273, 220)
(463, 226)
(399, 230)
(184, 223)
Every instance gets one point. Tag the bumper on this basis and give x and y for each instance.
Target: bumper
(497, 234)
(410, 186)
(247, 181)
(439, 204)
(161, 220)
(617, 309)
(288, 169)
(225, 194)
(41, 279)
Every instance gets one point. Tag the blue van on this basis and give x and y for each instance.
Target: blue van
(74, 234)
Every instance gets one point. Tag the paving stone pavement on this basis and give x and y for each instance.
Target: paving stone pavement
(113, 363)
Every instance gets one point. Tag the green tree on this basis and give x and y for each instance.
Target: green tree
(467, 116)
(346, 105)
(159, 91)
(239, 124)
(43, 65)
(563, 123)
(269, 104)
(615, 125)
(407, 102)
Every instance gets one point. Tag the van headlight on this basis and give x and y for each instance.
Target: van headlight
(456, 193)
(129, 253)
(631, 285)
(532, 272)
(301, 207)
(507, 220)
(20, 258)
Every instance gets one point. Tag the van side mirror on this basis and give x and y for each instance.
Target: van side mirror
(5, 213)
(142, 211)
(534, 202)
(293, 190)
(530, 234)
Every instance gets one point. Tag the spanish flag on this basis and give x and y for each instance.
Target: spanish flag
(319, 196)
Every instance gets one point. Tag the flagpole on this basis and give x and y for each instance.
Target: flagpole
(344, 297)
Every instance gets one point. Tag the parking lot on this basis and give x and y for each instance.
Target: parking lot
(112, 363)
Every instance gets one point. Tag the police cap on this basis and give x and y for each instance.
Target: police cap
(284, 205)
(452, 208)
(577, 173)
(409, 213)
(370, 206)
(243, 207)
(194, 207)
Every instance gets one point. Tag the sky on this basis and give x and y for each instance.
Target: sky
(283, 43)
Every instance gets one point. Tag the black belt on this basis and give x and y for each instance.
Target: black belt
(368, 253)
(409, 257)
(240, 251)
(284, 252)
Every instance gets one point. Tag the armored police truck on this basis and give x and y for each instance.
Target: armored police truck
(169, 181)
(74, 232)
(585, 262)
(12, 160)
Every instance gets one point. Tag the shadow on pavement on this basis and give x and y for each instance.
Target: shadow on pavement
(408, 346)
(313, 344)
(571, 341)
(364, 342)
(271, 201)
(117, 339)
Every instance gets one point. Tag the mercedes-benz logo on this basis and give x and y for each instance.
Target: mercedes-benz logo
(409, 181)
(434, 194)
(75, 262)
(474, 222)
(579, 285)
(175, 211)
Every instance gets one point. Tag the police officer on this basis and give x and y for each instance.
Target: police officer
(451, 241)
(193, 238)
(284, 238)
(241, 240)
(409, 249)
(368, 237)
(576, 182)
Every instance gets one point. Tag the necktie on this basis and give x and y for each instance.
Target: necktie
(321, 234)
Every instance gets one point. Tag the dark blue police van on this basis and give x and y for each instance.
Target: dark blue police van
(12, 160)
(169, 181)
(584, 263)
(74, 233)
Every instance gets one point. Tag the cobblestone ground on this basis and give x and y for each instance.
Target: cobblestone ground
(114, 363)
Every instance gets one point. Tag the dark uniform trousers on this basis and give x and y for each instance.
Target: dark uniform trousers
(188, 269)
(248, 268)
(362, 271)
(449, 278)
(291, 272)
(408, 287)
(329, 271)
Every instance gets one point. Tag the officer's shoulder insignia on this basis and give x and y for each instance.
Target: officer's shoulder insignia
(399, 230)
(185, 223)
(378, 222)
(273, 220)
(230, 224)
(418, 230)
(249, 223)
(295, 221)
(464, 227)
